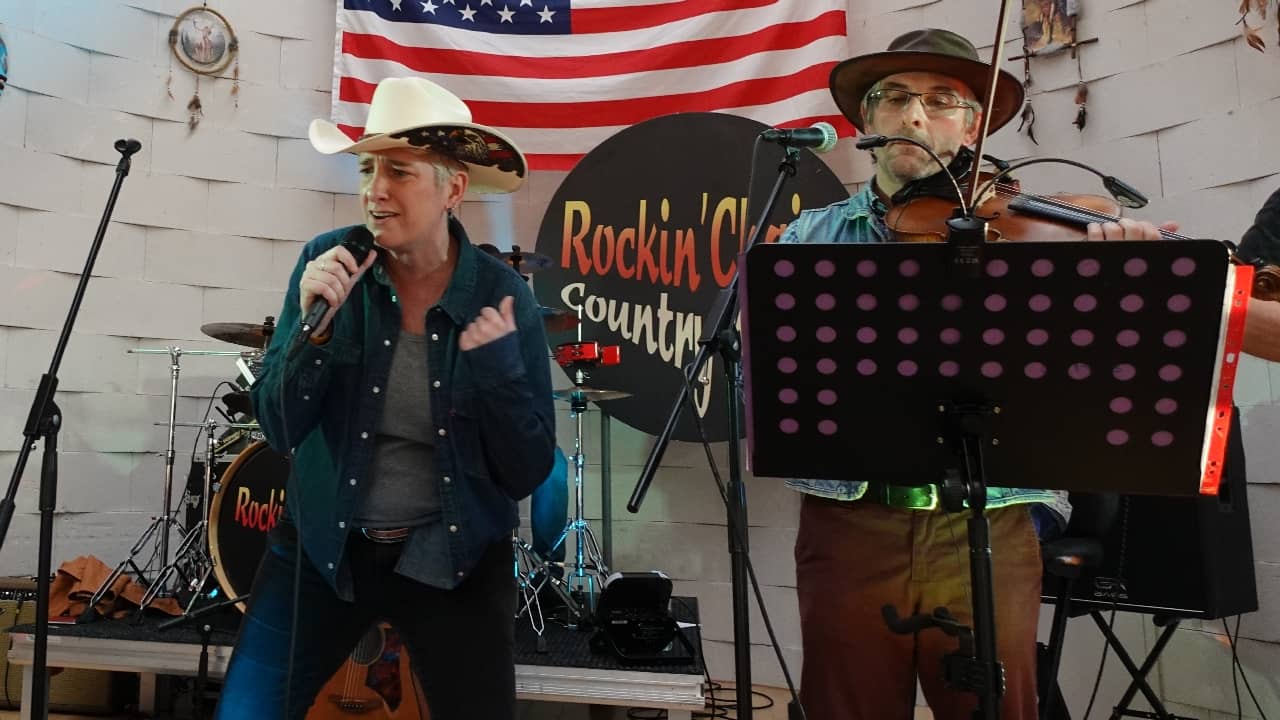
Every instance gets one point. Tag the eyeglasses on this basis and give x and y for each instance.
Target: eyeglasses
(934, 103)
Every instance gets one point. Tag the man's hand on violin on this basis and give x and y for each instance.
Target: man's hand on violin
(1128, 229)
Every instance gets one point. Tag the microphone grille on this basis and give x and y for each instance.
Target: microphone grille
(829, 136)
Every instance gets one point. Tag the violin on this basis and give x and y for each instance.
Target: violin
(922, 207)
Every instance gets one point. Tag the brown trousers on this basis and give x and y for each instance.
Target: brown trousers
(854, 557)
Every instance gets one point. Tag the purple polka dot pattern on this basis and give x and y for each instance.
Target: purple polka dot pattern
(1135, 267)
(1039, 324)
(1082, 338)
(1131, 303)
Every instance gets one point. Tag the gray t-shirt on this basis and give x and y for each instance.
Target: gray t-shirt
(403, 491)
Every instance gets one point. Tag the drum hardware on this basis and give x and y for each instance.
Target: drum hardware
(588, 567)
(526, 262)
(248, 334)
(558, 319)
(532, 574)
(167, 520)
(193, 557)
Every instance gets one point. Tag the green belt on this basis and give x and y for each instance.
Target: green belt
(904, 497)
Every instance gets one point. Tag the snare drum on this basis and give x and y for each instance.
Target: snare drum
(249, 502)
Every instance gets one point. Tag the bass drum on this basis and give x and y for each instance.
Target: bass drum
(249, 502)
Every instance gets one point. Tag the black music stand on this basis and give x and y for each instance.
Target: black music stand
(1074, 366)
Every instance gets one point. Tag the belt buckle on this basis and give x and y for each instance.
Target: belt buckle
(908, 497)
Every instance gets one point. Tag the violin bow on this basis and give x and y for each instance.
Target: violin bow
(1001, 26)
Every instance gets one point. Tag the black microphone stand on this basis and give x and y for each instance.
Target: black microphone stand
(206, 633)
(43, 422)
(723, 338)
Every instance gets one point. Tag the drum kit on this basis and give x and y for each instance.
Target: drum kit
(240, 491)
(202, 554)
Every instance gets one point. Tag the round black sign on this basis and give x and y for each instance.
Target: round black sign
(645, 232)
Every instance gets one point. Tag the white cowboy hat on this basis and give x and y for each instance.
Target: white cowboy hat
(414, 112)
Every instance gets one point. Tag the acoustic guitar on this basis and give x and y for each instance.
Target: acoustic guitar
(376, 683)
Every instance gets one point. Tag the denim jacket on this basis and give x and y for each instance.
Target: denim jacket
(860, 219)
(490, 407)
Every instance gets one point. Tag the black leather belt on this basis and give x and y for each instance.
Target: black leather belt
(386, 535)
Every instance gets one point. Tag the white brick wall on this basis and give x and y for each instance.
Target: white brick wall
(210, 221)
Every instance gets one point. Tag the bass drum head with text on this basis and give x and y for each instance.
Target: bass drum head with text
(249, 502)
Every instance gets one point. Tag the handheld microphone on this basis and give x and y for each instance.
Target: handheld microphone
(820, 138)
(359, 242)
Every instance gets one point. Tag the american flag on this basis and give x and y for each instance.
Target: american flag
(561, 76)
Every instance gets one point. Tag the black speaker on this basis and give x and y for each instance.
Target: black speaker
(1182, 557)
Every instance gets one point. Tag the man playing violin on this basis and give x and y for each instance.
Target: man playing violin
(863, 545)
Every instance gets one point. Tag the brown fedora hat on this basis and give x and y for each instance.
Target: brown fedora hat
(931, 50)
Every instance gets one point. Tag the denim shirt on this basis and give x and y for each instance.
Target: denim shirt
(860, 219)
(490, 408)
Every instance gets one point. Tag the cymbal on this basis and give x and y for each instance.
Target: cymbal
(588, 393)
(248, 334)
(558, 319)
(526, 262)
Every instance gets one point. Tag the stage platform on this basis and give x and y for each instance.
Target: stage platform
(568, 671)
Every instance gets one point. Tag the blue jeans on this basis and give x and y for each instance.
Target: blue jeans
(548, 512)
(461, 641)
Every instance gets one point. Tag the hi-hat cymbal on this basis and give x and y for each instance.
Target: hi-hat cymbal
(588, 393)
(558, 319)
(248, 334)
(526, 262)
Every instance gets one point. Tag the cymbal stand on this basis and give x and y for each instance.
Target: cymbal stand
(192, 562)
(163, 523)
